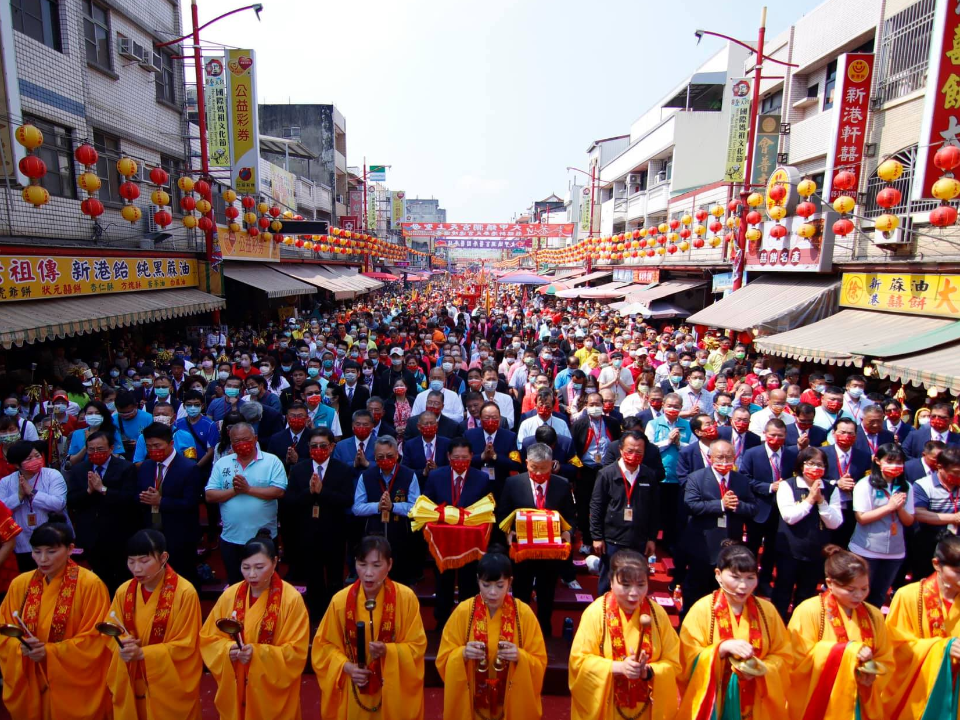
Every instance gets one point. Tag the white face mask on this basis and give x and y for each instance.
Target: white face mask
(594, 411)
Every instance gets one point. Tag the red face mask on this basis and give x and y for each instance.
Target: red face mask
(813, 472)
(723, 468)
(313, 401)
(938, 423)
(804, 424)
(775, 443)
(244, 448)
(400, 391)
(671, 414)
(475, 385)
(741, 426)
(833, 406)
(297, 424)
(893, 416)
(708, 434)
(32, 466)
(99, 457)
(539, 478)
(491, 426)
(429, 432)
(632, 458)
(320, 454)
(460, 467)
(377, 417)
(656, 404)
(387, 464)
(544, 413)
(608, 406)
(362, 432)
(844, 442)
(161, 455)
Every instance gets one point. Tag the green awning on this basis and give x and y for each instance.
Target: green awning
(918, 343)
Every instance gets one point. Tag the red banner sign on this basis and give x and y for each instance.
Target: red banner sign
(851, 104)
(350, 222)
(486, 230)
(941, 109)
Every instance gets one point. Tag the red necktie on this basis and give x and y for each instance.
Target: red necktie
(775, 466)
(540, 499)
(458, 491)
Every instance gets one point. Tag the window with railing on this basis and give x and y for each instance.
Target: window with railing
(908, 158)
(57, 153)
(904, 51)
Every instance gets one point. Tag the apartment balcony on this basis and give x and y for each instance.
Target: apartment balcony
(340, 161)
(658, 198)
(810, 138)
(637, 206)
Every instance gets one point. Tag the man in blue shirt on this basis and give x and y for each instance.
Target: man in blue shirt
(130, 421)
(247, 485)
(164, 414)
(219, 407)
(202, 429)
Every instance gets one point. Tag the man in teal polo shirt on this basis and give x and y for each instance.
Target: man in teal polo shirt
(670, 432)
(247, 485)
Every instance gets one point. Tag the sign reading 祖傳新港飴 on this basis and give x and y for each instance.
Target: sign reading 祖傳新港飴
(923, 294)
(43, 277)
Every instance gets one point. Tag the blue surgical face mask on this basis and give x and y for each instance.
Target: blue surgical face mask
(725, 410)
(111, 406)
(231, 392)
(793, 401)
(163, 392)
(313, 372)
(286, 368)
(94, 420)
(436, 384)
(855, 392)
(819, 388)
(114, 373)
(327, 400)
(192, 410)
(676, 379)
(11, 411)
(328, 364)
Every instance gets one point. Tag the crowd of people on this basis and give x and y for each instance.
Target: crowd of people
(792, 500)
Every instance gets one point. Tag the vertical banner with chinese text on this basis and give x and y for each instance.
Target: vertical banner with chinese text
(215, 99)
(941, 109)
(851, 105)
(739, 130)
(244, 129)
(397, 204)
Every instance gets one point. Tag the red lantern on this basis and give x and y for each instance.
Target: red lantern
(264, 223)
(888, 197)
(698, 243)
(943, 216)
(86, 154)
(685, 233)
(33, 167)
(205, 224)
(232, 212)
(278, 238)
(844, 180)
(733, 206)
(674, 224)
(672, 249)
(253, 232)
(159, 176)
(650, 253)
(843, 227)
(947, 157)
(247, 202)
(275, 211)
(806, 209)
(162, 218)
(91, 207)
(778, 232)
(299, 243)
(202, 188)
(129, 190)
(716, 226)
(700, 215)
(777, 193)
(662, 239)
(298, 217)
(754, 217)
(187, 203)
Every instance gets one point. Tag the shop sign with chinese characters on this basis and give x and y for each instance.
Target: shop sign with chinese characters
(240, 246)
(937, 295)
(767, 145)
(40, 277)
(850, 107)
(940, 124)
(215, 97)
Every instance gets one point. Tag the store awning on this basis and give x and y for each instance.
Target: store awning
(616, 289)
(658, 309)
(664, 289)
(851, 335)
(351, 279)
(314, 275)
(565, 273)
(38, 320)
(587, 278)
(273, 282)
(411, 277)
(939, 368)
(773, 305)
(382, 276)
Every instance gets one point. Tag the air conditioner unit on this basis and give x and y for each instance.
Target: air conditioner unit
(139, 52)
(152, 63)
(662, 176)
(151, 225)
(125, 46)
(633, 179)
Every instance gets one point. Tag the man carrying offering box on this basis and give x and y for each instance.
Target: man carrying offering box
(536, 511)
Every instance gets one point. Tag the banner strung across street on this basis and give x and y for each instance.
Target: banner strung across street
(486, 230)
(499, 244)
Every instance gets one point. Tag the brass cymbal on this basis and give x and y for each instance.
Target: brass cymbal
(752, 666)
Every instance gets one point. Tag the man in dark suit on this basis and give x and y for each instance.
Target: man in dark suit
(941, 415)
(718, 501)
(803, 433)
(319, 494)
(738, 434)
(591, 432)
(472, 404)
(871, 434)
(694, 456)
(845, 465)
(292, 444)
(655, 398)
(458, 485)
(446, 427)
(354, 396)
(266, 421)
(651, 455)
(170, 488)
(538, 488)
(925, 465)
(894, 422)
(561, 446)
(624, 505)
(766, 466)
(102, 500)
(426, 452)
(380, 426)
(671, 385)
(492, 447)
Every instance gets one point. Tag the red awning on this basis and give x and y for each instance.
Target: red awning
(381, 276)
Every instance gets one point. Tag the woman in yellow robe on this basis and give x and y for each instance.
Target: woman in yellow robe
(491, 655)
(261, 679)
(63, 676)
(389, 680)
(924, 624)
(721, 632)
(833, 635)
(156, 674)
(607, 679)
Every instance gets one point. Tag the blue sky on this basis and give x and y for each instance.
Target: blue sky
(482, 104)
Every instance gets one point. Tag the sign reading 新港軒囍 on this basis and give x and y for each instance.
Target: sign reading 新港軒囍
(851, 103)
(244, 129)
(923, 294)
(739, 130)
(43, 277)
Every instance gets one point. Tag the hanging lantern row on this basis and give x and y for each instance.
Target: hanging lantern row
(160, 197)
(889, 197)
(30, 137)
(947, 188)
(88, 181)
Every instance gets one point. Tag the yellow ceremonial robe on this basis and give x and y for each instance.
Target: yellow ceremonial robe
(76, 667)
(812, 659)
(168, 685)
(918, 655)
(401, 697)
(591, 676)
(700, 659)
(524, 678)
(274, 672)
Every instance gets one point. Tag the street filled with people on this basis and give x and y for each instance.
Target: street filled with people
(246, 497)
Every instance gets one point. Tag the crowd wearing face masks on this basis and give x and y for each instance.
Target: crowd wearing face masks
(259, 445)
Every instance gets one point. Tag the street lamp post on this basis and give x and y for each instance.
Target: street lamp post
(741, 248)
